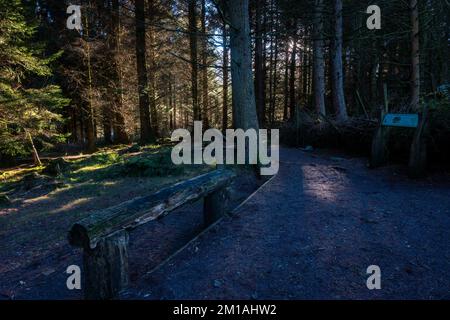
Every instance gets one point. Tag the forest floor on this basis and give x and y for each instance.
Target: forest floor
(34, 252)
(310, 232)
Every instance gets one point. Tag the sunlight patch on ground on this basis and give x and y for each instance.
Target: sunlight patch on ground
(109, 183)
(91, 168)
(15, 173)
(322, 186)
(71, 205)
(8, 211)
(35, 200)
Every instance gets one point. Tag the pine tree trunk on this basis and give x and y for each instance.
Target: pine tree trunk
(120, 134)
(90, 128)
(152, 73)
(244, 103)
(107, 127)
(319, 67)
(225, 80)
(205, 95)
(292, 100)
(286, 82)
(415, 60)
(194, 58)
(338, 72)
(273, 103)
(141, 63)
(36, 159)
(259, 64)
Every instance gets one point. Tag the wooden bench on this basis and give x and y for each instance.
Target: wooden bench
(418, 150)
(104, 234)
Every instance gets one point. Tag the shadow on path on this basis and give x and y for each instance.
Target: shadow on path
(311, 233)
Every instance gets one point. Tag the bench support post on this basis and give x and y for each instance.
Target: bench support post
(215, 206)
(106, 267)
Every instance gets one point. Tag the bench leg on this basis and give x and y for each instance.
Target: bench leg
(106, 267)
(215, 206)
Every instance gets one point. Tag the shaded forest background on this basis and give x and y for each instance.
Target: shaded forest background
(139, 69)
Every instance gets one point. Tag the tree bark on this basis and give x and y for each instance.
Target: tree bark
(415, 60)
(292, 100)
(319, 68)
(144, 112)
(194, 58)
(259, 64)
(338, 75)
(286, 83)
(225, 80)
(90, 128)
(244, 103)
(152, 73)
(120, 134)
(36, 158)
(205, 96)
(273, 101)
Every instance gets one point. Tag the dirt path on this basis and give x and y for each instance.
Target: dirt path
(312, 231)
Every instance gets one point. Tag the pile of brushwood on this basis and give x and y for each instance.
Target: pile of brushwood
(355, 135)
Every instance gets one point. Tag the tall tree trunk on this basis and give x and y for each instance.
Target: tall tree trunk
(319, 67)
(305, 69)
(415, 60)
(286, 82)
(225, 80)
(90, 128)
(194, 57)
(244, 103)
(338, 72)
(205, 95)
(259, 64)
(107, 127)
(144, 112)
(273, 101)
(292, 100)
(120, 134)
(152, 73)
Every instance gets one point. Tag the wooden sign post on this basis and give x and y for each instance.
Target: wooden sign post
(418, 151)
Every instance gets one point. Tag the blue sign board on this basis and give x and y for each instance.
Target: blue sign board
(401, 120)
